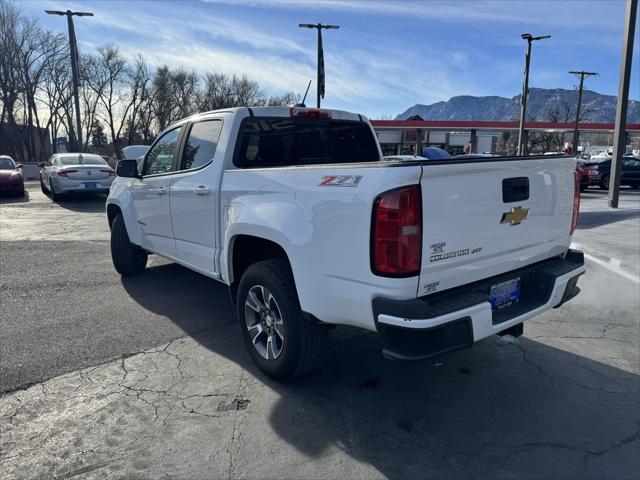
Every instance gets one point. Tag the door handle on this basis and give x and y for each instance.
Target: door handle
(202, 190)
(159, 191)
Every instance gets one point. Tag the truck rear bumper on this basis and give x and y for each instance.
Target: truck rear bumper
(429, 326)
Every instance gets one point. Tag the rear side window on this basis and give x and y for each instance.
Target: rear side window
(274, 142)
(201, 144)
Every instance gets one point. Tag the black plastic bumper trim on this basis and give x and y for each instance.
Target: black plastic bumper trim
(537, 282)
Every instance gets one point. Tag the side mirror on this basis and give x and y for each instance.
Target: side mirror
(41, 164)
(127, 168)
(19, 165)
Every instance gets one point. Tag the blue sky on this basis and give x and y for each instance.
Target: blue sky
(387, 56)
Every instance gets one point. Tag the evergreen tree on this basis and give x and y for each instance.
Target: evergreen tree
(98, 137)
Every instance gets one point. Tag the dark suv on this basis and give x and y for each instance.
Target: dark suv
(630, 172)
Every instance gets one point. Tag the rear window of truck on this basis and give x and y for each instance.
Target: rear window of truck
(279, 142)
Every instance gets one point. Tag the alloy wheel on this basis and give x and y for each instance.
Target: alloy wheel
(263, 320)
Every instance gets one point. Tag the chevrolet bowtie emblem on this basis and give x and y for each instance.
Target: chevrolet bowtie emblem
(515, 216)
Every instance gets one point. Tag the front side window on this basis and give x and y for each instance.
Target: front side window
(160, 157)
(201, 144)
(271, 142)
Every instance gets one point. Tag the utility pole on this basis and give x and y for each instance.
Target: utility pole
(620, 133)
(575, 129)
(320, 80)
(522, 145)
(73, 46)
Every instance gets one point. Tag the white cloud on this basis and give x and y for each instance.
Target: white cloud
(567, 13)
(204, 42)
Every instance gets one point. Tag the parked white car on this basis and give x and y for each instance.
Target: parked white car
(75, 172)
(296, 211)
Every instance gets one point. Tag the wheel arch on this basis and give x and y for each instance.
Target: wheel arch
(112, 212)
(245, 250)
(115, 207)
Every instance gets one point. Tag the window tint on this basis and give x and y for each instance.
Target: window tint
(160, 157)
(631, 162)
(201, 144)
(282, 142)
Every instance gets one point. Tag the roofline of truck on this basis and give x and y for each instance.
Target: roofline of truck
(456, 161)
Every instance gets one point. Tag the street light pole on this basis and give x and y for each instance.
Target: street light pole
(320, 76)
(73, 46)
(620, 133)
(522, 145)
(576, 133)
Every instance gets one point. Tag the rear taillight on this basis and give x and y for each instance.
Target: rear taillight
(64, 173)
(396, 233)
(576, 203)
(110, 172)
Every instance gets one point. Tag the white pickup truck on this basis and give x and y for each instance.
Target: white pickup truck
(296, 211)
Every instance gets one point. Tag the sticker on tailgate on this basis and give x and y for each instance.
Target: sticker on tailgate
(438, 252)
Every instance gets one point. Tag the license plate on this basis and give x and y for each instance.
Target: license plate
(90, 185)
(505, 293)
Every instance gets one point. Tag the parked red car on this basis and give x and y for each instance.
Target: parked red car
(588, 173)
(11, 179)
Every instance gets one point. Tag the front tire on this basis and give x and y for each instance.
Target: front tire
(42, 187)
(604, 184)
(127, 259)
(281, 342)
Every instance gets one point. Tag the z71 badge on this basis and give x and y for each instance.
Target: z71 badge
(340, 181)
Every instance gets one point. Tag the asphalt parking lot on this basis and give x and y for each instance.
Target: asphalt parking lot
(148, 377)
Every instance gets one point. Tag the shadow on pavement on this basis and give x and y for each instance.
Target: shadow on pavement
(589, 219)
(6, 199)
(499, 410)
(624, 192)
(192, 301)
(83, 202)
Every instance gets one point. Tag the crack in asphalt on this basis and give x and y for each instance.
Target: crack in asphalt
(603, 335)
(233, 448)
(538, 367)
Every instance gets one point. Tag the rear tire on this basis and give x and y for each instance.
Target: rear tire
(54, 196)
(127, 258)
(301, 347)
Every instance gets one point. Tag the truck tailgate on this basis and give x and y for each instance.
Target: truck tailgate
(476, 223)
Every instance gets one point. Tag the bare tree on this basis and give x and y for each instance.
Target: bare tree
(139, 93)
(287, 99)
(125, 98)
